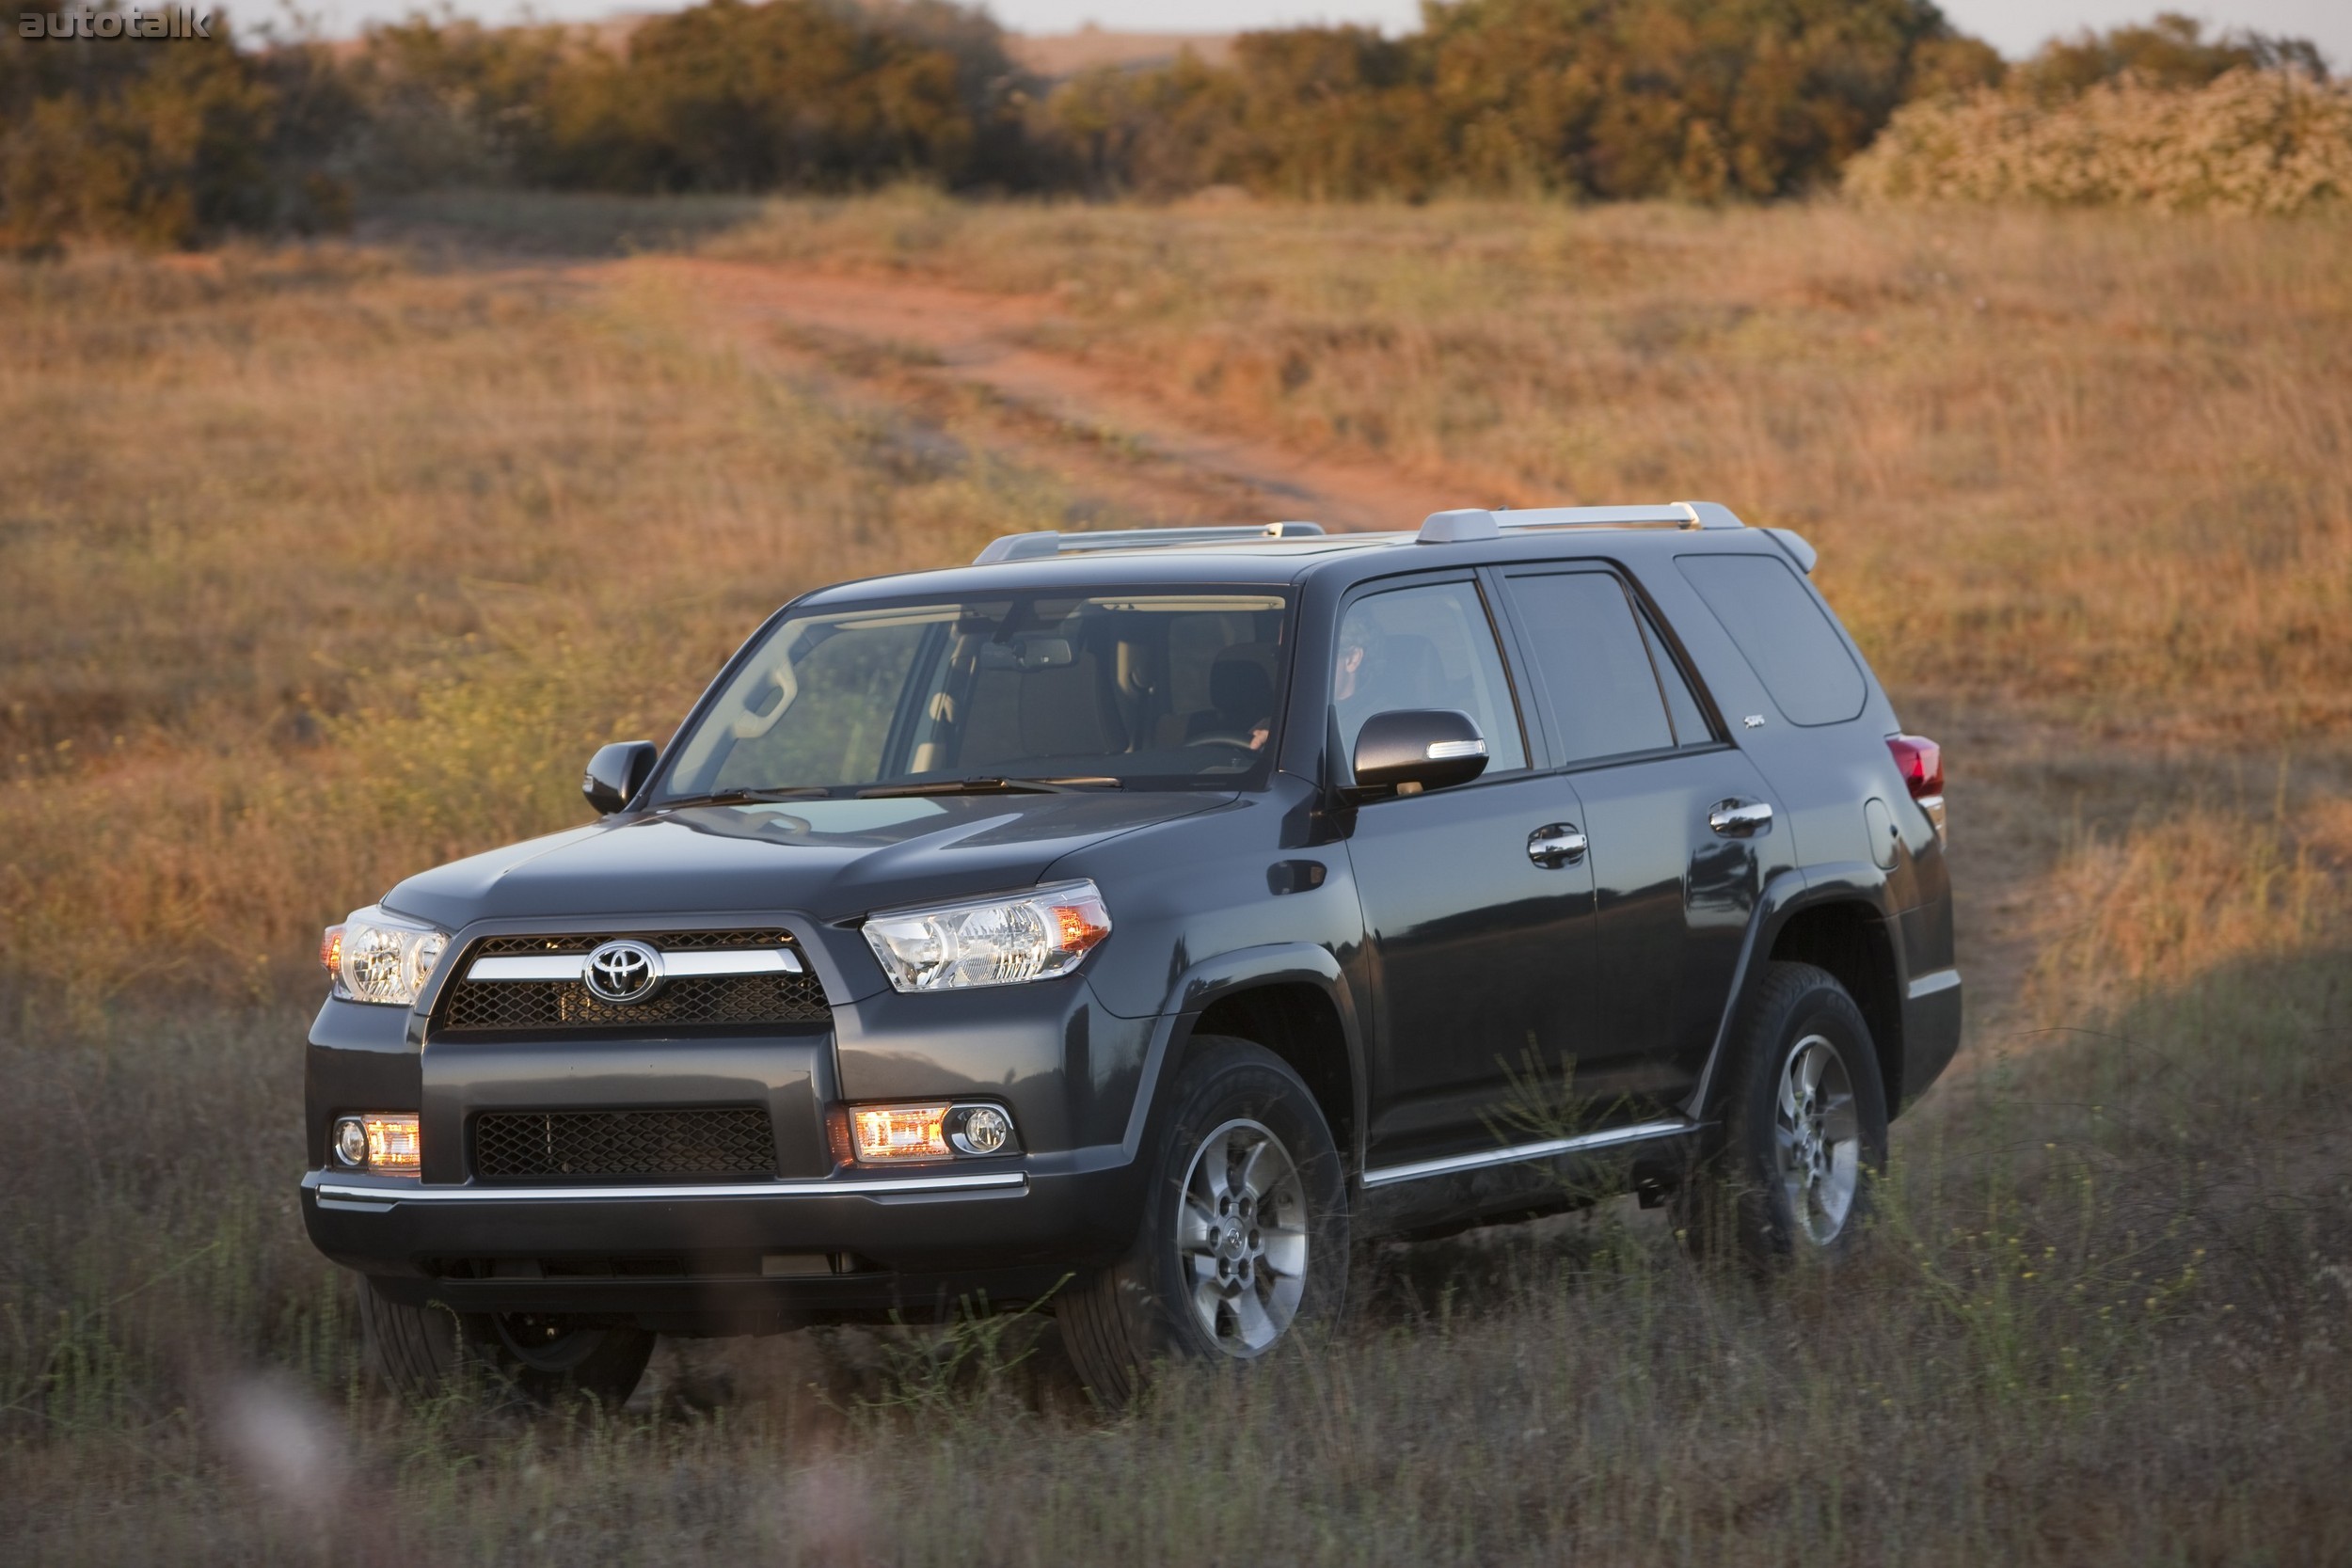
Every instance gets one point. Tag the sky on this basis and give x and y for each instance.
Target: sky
(2016, 27)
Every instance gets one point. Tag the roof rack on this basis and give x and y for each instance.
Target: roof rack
(1468, 523)
(1046, 542)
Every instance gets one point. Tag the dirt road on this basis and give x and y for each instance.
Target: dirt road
(1081, 417)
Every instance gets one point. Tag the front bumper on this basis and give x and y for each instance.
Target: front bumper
(697, 1256)
(692, 1258)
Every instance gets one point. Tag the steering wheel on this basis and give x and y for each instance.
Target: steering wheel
(1222, 737)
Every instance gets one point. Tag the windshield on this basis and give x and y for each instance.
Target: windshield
(1157, 689)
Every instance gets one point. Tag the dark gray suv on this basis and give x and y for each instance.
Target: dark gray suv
(1137, 922)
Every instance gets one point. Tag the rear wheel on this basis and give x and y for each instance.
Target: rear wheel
(1245, 1238)
(422, 1351)
(1803, 1128)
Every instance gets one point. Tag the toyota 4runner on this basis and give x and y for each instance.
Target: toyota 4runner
(1138, 921)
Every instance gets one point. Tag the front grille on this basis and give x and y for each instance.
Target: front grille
(670, 942)
(739, 1001)
(738, 998)
(730, 1142)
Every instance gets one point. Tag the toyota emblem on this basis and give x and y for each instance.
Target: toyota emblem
(623, 971)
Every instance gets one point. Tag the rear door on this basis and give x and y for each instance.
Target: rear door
(1677, 820)
(1479, 954)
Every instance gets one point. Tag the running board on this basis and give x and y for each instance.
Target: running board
(1521, 1153)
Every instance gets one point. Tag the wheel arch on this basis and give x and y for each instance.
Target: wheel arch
(1290, 998)
(1837, 918)
(1849, 939)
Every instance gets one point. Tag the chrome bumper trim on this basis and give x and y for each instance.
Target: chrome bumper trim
(1009, 1180)
(1519, 1154)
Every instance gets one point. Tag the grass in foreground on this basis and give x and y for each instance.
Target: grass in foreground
(2100, 1322)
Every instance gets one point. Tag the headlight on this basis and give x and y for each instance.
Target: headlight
(991, 941)
(380, 957)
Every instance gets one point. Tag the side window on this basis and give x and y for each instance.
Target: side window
(1596, 668)
(1690, 727)
(1430, 646)
(1796, 652)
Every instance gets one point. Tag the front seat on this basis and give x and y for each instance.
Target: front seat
(1241, 693)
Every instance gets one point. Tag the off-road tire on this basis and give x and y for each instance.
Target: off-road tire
(424, 1352)
(1118, 1322)
(1736, 1203)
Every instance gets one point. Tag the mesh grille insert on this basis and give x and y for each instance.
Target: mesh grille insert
(752, 1000)
(732, 1142)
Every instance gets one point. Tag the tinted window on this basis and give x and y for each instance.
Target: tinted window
(1796, 652)
(1595, 670)
(1424, 648)
(1690, 719)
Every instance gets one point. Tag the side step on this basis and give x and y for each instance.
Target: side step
(1521, 1153)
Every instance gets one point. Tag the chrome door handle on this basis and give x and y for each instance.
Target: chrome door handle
(1555, 845)
(1739, 818)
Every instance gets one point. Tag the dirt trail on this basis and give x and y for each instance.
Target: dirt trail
(964, 338)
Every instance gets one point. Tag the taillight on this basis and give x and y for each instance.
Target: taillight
(1921, 761)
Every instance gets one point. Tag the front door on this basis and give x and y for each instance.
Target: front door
(1479, 923)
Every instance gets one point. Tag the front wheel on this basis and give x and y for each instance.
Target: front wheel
(1245, 1238)
(421, 1352)
(1803, 1128)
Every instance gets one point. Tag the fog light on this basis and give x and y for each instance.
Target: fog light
(884, 1135)
(393, 1146)
(983, 1130)
(383, 1142)
(887, 1132)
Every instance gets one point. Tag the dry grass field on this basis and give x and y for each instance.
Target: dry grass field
(322, 565)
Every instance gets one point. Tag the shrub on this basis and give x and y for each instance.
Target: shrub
(1704, 99)
(153, 142)
(2249, 141)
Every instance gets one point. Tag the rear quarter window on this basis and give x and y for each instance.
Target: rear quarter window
(1782, 630)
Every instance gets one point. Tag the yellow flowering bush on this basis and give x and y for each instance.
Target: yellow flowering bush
(2249, 141)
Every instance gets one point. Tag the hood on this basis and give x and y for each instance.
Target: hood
(830, 859)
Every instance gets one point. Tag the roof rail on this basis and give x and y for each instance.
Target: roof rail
(1459, 527)
(1046, 542)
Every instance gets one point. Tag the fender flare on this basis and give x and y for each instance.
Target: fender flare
(1787, 895)
(1210, 981)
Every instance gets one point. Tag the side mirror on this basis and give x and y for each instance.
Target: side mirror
(616, 773)
(1410, 750)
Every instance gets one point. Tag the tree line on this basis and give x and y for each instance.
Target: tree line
(175, 142)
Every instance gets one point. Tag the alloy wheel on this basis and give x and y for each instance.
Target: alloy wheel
(1816, 1139)
(1241, 1233)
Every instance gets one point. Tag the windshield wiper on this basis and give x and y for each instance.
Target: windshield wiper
(748, 796)
(993, 786)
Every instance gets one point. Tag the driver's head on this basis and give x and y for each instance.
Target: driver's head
(1354, 651)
